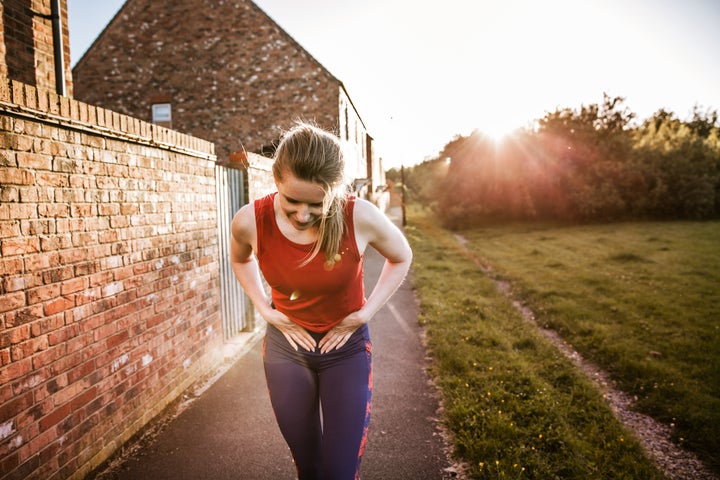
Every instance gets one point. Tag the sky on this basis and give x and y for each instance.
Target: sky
(421, 73)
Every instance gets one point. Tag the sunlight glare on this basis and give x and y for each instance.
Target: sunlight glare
(498, 128)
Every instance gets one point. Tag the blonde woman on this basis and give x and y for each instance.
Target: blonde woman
(308, 240)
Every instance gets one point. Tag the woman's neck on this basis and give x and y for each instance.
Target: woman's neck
(302, 237)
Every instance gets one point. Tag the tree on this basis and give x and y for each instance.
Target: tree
(681, 165)
(592, 145)
(589, 164)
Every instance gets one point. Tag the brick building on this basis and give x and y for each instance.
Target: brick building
(30, 30)
(223, 71)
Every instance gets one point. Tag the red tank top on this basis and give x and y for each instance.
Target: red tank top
(314, 296)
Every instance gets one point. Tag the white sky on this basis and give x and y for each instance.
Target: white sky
(422, 72)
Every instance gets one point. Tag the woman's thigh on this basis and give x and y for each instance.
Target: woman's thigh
(345, 397)
(293, 389)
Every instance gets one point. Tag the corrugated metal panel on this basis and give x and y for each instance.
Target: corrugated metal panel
(236, 307)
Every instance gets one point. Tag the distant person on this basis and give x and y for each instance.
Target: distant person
(309, 238)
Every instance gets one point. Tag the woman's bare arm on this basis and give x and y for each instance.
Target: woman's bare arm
(247, 271)
(373, 227)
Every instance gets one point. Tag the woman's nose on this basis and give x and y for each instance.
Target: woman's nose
(303, 213)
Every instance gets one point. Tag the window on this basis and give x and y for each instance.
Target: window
(162, 114)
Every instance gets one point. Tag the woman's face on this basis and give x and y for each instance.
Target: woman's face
(300, 201)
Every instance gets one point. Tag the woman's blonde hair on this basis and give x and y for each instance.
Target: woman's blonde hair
(315, 155)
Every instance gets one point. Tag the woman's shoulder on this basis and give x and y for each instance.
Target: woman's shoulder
(367, 216)
(243, 224)
(245, 216)
(364, 209)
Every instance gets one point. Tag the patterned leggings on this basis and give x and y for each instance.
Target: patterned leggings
(321, 403)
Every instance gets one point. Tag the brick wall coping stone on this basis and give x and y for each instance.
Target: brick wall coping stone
(28, 101)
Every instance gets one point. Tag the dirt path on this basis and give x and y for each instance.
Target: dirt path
(674, 461)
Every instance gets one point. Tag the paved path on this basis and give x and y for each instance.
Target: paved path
(229, 432)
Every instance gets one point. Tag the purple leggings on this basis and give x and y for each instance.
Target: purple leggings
(321, 403)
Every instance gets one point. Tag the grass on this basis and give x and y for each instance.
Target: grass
(639, 299)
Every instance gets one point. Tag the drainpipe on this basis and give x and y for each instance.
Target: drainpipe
(58, 47)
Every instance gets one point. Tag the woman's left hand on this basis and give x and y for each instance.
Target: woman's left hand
(338, 336)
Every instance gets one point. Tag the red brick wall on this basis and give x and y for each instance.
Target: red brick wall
(26, 39)
(3, 46)
(109, 301)
(259, 176)
(232, 75)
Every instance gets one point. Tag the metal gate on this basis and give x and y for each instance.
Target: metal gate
(237, 310)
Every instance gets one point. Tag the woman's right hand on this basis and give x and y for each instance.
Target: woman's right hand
(294, 333)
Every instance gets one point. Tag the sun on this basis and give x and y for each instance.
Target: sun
(499, 127)
(494, 118)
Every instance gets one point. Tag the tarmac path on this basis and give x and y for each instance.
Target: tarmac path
(229, 431)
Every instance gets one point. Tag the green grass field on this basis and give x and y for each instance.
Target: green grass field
(641, 300)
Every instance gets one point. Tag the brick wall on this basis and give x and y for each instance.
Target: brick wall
(259, 176)
(109, 304)
(3, 46)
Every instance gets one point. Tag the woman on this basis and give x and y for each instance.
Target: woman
(308, 239)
